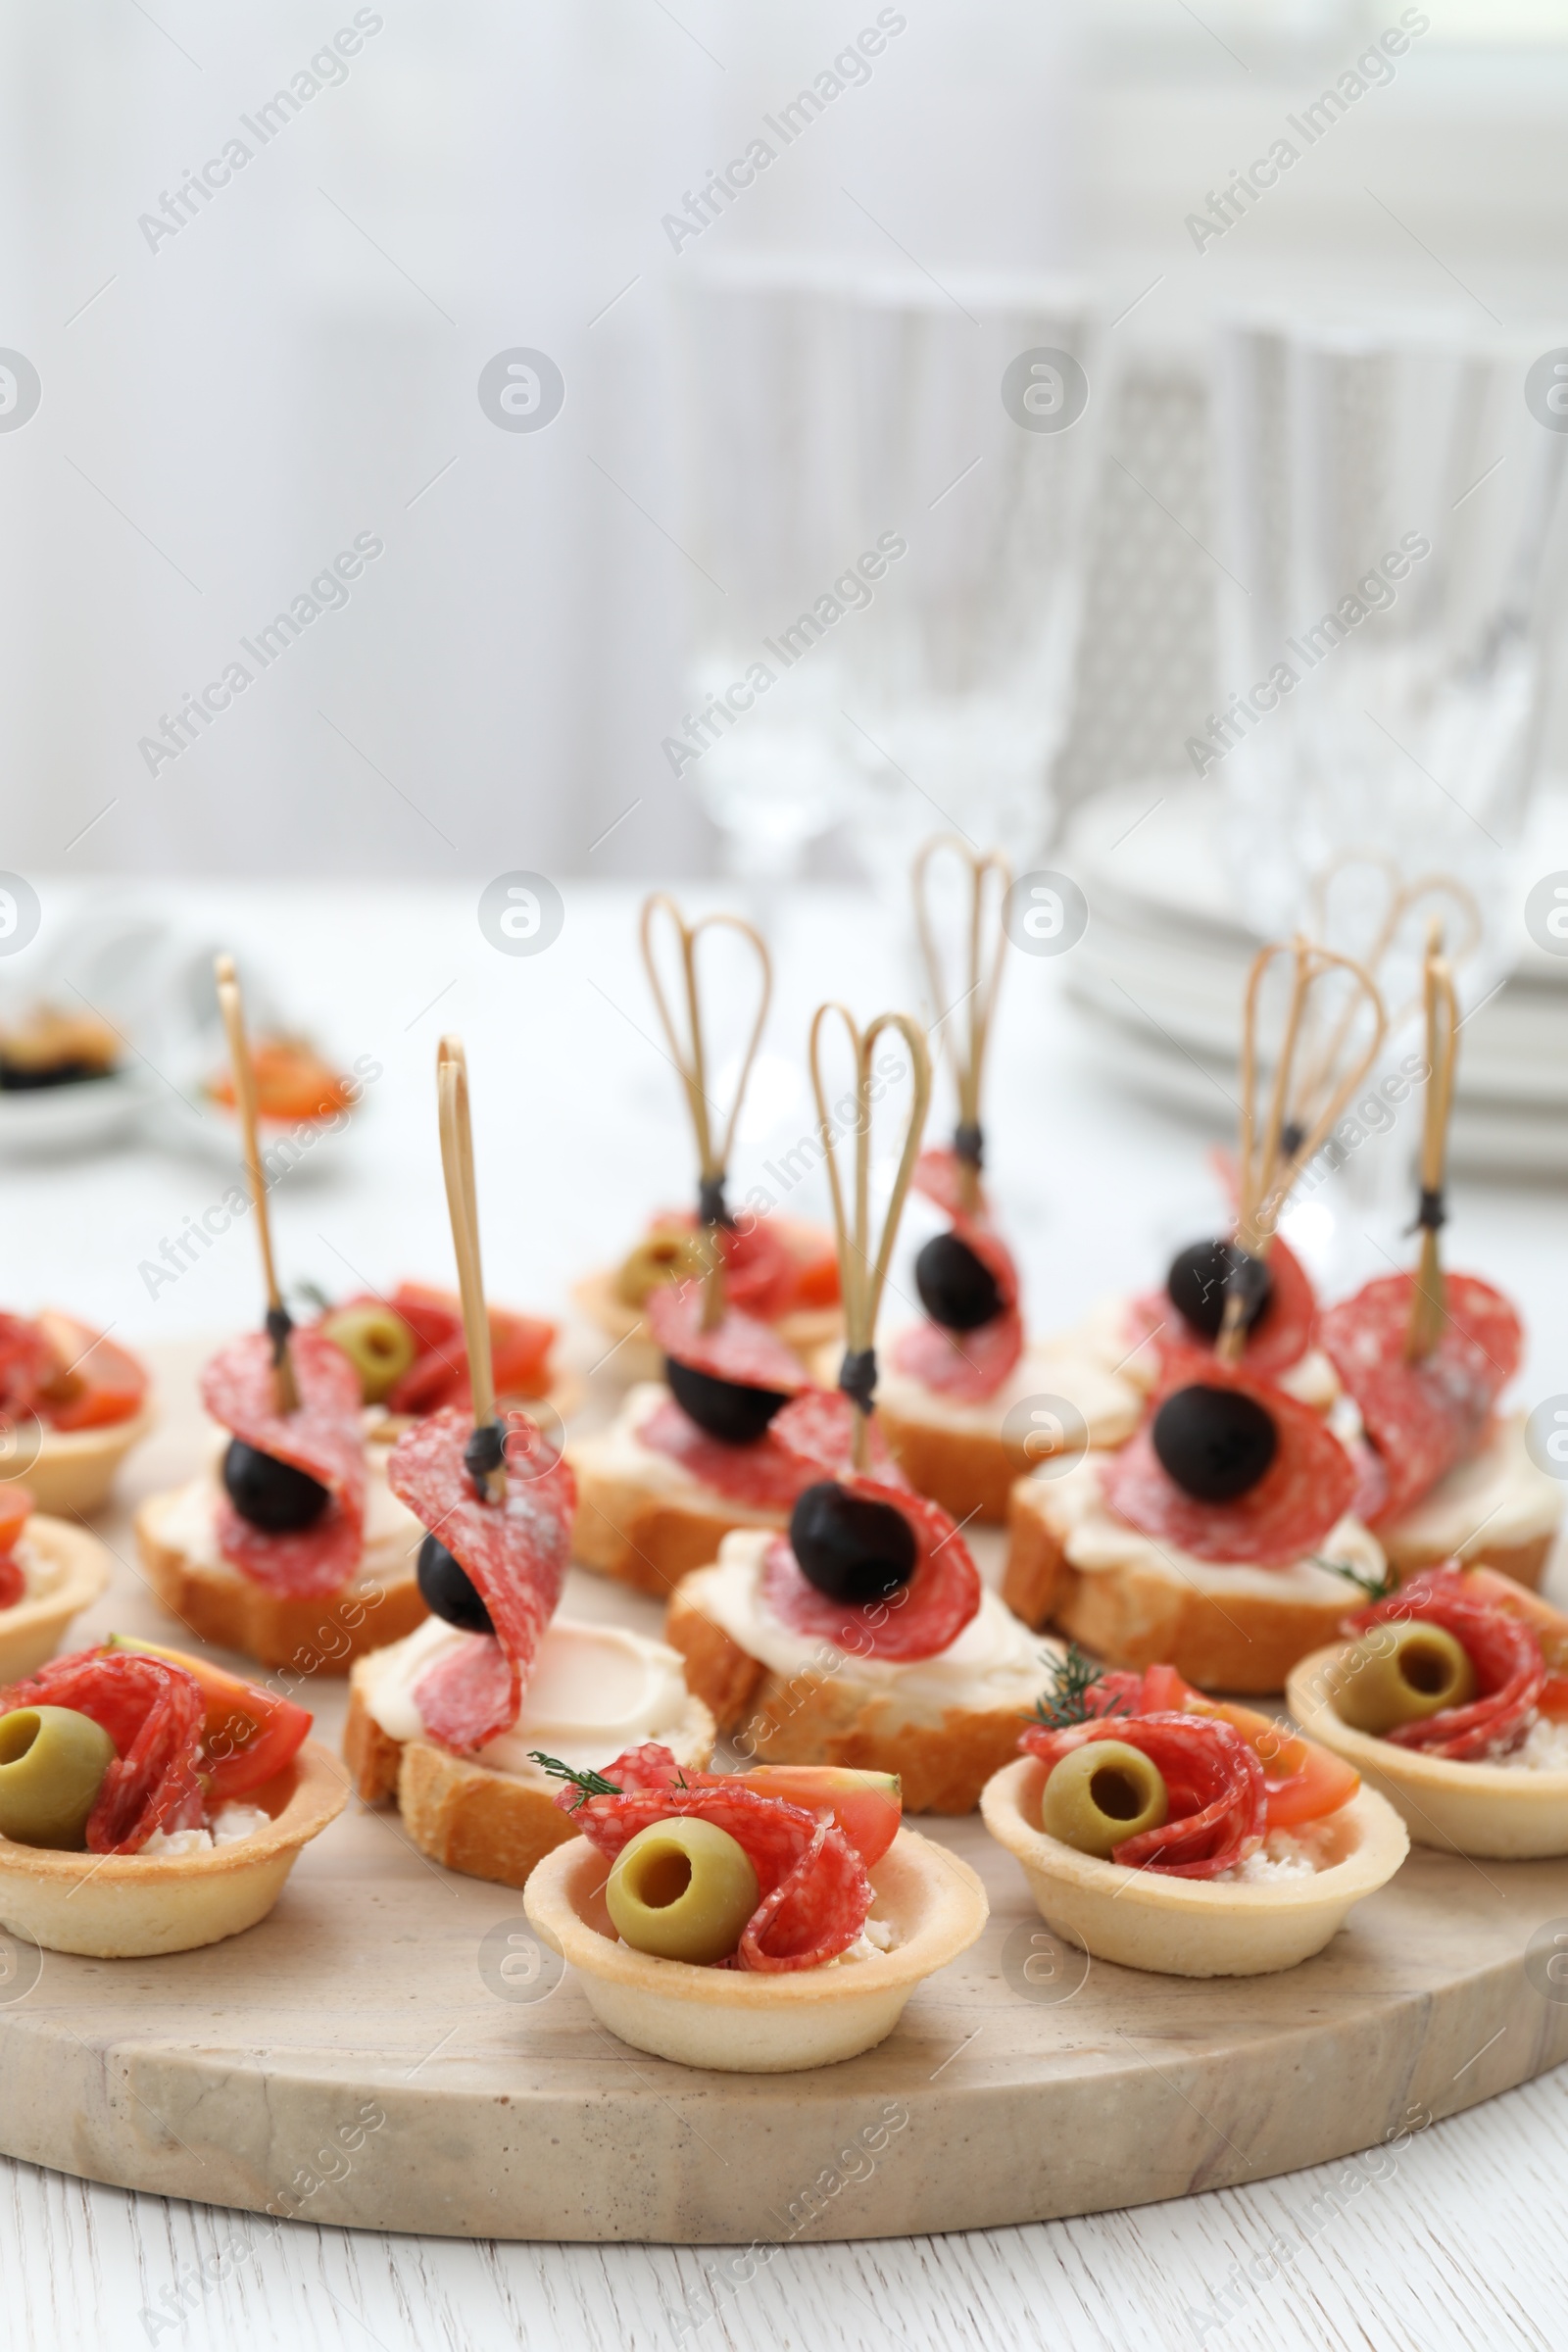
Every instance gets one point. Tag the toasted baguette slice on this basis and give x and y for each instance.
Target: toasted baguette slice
(828, 1717)
(966, 1455)
(642, 1518)
(381, 1605)
(1141, 1603)
(488, 1824)
(1496, 1510)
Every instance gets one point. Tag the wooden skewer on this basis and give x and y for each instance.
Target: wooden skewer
(456, 1166)
(980, 996)
(1428, 1298)
(689, 1054)
(232, 1005)
(861, 1276)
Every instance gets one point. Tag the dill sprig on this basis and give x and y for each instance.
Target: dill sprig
(1375, 1588)
(586, 1784)
(1067, 1702)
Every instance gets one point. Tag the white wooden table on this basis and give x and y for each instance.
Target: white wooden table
(1457, 2240)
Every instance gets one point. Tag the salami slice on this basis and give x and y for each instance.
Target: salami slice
(818, 1428)
(323, 1437)
(1423, 1418)
(966, 1365)
(520, 1349)
(1503, 1649)
(814, 1892)
(1307, 1488)
(13, 1584)
(919, 1620)
(1280, 1338)
(515, 1553)
(26, 1363)
(1214, 1785)
(155, 1713)
(738, 1349)
(761, 1272)
(762, 1474)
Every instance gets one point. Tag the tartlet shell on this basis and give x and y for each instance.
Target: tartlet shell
(739, 2022)
(1189, 1927)
(75, 1467)
(134, 1906)
(1485, 1810)
(32, 1632)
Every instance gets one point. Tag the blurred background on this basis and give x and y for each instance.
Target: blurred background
(728, 445)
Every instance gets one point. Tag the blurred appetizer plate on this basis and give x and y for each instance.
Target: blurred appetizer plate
(59, 1121)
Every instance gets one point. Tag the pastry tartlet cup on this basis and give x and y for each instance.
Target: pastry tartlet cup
(134, 1906)
(1491, 1811)
(33, 1629)
(1191, 1927)
(637, 1354)
(740, 2022)
(75, 1467)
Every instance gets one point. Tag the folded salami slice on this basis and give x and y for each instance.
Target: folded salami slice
(324, 1438)
(763, 1474)
(762, 1273)
(966, 1365)
(1280, 1338)
(1214, 1785)
(1307, 1488)
(1503, 1649)
(817, 1428)
(738, 1349)
(515, 1555)
(917, 1621)
(1423, 1418)
(812, 1884)
(155, 1713)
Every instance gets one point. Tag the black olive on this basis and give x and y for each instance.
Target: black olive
(270, 1493)
(448, 1589)
(850, 1547)
(957, 1290)
(1201, 1277)
(1215, 1442)
(726, 1408)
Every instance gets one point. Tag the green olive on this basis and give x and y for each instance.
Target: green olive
(1101, 1793)
(682, 1889)
(52, 1765)
(669, 1253)
(1402, 1674)
(377, 1343)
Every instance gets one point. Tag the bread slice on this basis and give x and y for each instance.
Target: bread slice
(966, 1455)
(1496, 1510)
(1135, 1602)
(828, 1713)
(469, 1818)
(223, 1605)
(642, 1517)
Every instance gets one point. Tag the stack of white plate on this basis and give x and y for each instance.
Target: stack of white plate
(1160, 973)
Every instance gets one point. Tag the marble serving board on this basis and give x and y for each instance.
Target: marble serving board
(390, 2050)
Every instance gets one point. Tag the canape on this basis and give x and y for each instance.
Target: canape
(151, 1804)
(745, 1930)
(1164, 1832)
(49, 1573)
(1452, 1698)
(81, 1398)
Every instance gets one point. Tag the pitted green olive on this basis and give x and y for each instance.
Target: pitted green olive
(682, 1889)
(1101, 1793)
(669, 1253)
(377, 1343)
(52, 1765)
(1400, 1674)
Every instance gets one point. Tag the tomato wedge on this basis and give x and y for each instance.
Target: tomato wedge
(292, 1082)
(94, 1381)
(250, 1734)
(519, 1348)
(1304, 1781)
(816, 1278)
(867, 1806)
(15, 1508)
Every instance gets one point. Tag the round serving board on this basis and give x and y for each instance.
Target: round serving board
(390, 2050)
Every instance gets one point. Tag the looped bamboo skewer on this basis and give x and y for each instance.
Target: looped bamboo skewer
(861, 1276)
(1428, 1301)
(279, 1322)
(485, 1461)
(690, 1058)
(980, 996)
(1268, 1165)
